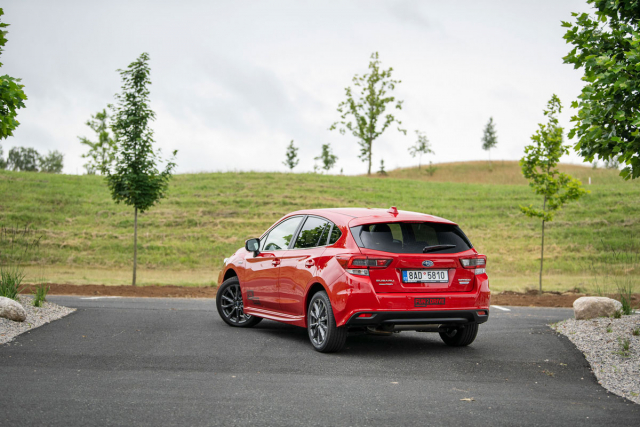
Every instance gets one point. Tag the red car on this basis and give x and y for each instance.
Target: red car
(333, 271)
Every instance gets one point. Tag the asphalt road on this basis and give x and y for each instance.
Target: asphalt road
(130, 361)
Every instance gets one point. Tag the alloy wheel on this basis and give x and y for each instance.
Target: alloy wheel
(318, 322)
(232, 305)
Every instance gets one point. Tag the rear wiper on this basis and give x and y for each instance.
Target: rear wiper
(436, 248)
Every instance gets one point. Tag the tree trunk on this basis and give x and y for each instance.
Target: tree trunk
(135, 243)
(544, 205)
(369, 172)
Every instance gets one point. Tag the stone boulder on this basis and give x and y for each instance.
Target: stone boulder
(591, 307)
(12, 310)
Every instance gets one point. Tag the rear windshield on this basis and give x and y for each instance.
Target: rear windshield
(411, 237)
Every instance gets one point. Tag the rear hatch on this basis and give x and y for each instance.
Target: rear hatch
(417, 256)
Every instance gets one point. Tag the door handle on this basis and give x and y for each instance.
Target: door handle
(275, 262)
(308, 263)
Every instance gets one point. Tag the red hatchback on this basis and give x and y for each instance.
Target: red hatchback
(373, 270)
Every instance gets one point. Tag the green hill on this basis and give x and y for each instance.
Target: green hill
(88, 239)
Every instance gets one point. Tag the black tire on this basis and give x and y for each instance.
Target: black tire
(324, 335)
(460, 336)
(230, 306)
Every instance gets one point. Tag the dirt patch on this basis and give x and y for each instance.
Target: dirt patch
(130, 291)
(547, 299)
(526, 299)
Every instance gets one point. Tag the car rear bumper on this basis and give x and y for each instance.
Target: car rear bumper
(432, 317)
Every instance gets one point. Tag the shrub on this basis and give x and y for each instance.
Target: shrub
(15, 247)
(430, 170)
(10, 280)
(40, 295)
(617, 267)
(625, 344)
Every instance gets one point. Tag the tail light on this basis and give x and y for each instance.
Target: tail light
(360, 265)
(476, 263)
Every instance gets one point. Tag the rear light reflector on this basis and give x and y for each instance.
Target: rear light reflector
(370, 262)
(358, 271)
(482, 313)
(360, 265)
(366, 315)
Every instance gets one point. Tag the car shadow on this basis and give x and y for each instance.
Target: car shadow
(362, 344)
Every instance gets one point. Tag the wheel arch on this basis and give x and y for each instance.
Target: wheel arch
(229, 274)
(311, 291)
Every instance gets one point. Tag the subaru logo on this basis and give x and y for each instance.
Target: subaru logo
(427, 263)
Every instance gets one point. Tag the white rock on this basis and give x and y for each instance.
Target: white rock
(12, 310)
(591, 307)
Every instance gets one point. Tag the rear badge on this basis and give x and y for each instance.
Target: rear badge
(425, 302)
(385, 281)
(427, 263)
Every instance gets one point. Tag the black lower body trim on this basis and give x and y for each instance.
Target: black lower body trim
(440, 317)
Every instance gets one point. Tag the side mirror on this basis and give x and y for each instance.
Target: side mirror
(252, 245)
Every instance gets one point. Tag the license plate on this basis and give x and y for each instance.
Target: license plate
(425, 276)
(425, 302)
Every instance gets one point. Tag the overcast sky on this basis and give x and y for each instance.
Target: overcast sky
(235, 81)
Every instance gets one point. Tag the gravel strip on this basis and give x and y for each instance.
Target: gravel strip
(601, 342)
(36, 316)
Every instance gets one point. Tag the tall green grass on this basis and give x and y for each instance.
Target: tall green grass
(207, 216)
(16, 247)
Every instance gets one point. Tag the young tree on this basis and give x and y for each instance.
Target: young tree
(12, 96)
(381, 171)
(52, 162)
(327, 158)
(539, 167)
(367, 105)
(489, 139)
(422, 146)
(3, 162)
(613, 163)
(103, 152)
(23, 159)
(135, 179)
(607, 47)
(292, 156)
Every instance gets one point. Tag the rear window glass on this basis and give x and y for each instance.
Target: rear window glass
(411, 237)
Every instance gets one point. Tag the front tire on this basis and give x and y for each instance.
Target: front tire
(324, 335)
(230, 306)
(460, 336)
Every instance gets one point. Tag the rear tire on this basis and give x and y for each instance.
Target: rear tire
(230, 305)
(324, 335)
(460, 336)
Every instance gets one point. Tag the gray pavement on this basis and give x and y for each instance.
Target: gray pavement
(135, 361)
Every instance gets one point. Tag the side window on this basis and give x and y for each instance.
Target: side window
(280, 237)
(335, 234)
(311, 233)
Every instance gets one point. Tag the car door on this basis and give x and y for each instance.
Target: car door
(260, 284)
(298, 265)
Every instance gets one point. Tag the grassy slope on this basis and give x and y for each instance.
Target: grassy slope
(207, 216)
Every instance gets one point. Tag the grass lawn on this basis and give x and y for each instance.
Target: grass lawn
(86, 238)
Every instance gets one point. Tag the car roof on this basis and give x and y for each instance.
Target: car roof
(359, 216)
